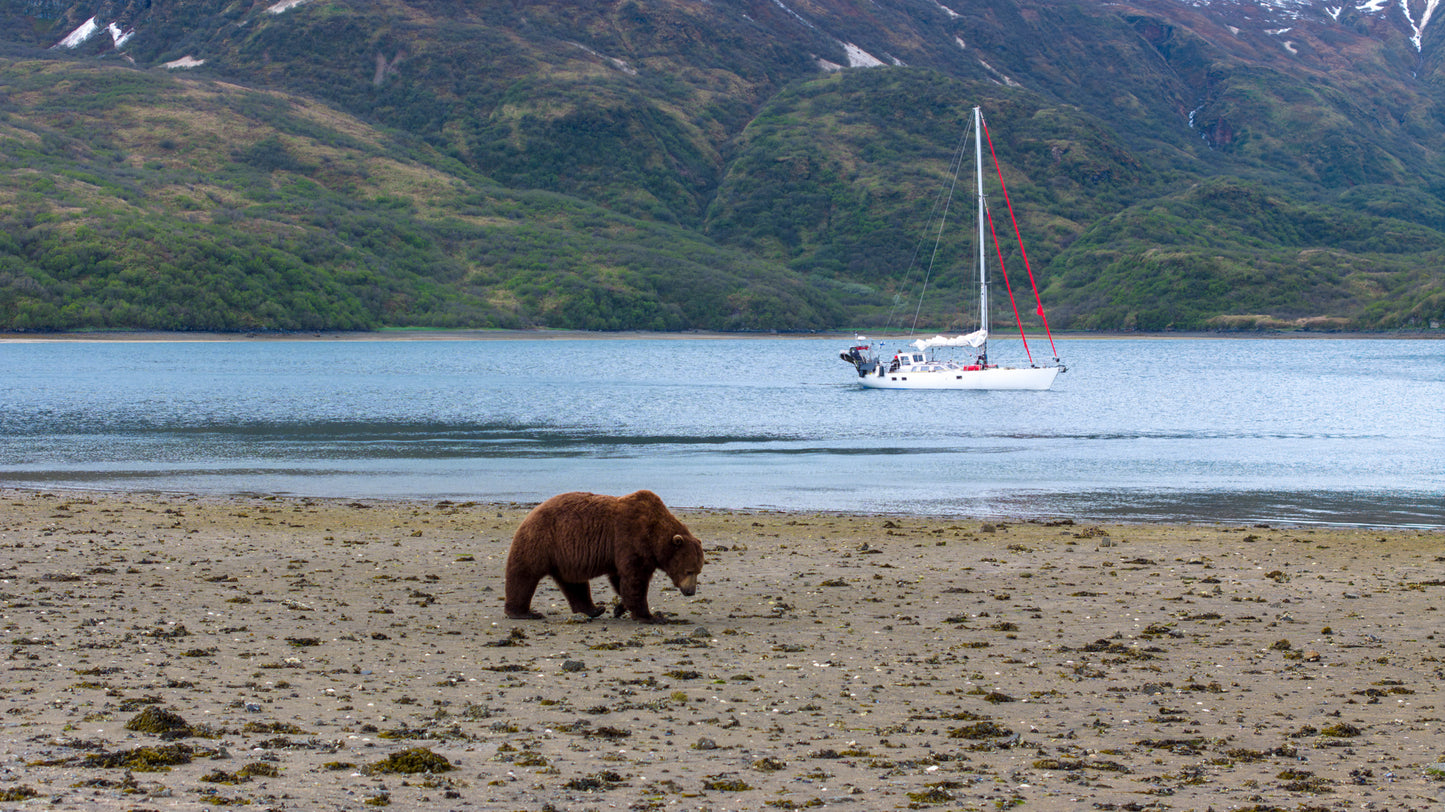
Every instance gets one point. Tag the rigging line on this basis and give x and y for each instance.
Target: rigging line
(1001, 272)
(918, 249)
(956, 166)
(1038, 301)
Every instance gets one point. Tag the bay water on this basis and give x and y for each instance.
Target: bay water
(1300, 431)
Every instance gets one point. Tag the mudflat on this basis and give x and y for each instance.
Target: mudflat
(182, 652)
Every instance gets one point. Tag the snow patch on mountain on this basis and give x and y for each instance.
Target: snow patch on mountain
(184, 62)
(89, 28)
(118, 36)
(1418, 27)
(616, 63)
(946, 10)
(283, 6)
(999, 77)
(1292, 10)
(82, 33)
(1287, 44)
(859, 58)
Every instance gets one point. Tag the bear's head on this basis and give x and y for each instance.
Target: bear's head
(684, 561)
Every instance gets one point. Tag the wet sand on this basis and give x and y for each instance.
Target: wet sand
(179, 652)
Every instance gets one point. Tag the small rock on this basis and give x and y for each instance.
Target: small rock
(573, 665)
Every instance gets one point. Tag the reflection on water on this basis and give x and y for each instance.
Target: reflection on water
(1307, 431)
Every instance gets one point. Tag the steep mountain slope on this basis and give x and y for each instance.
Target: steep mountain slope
(748, 164)
(134, 199)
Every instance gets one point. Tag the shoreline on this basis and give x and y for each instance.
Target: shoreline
(176, 650)
(144, 336)
(840, 514)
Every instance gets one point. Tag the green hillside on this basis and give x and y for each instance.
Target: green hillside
(140, 200)
(1228, 255)
(676, 166)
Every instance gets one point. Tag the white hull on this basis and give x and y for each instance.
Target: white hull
(944, 377)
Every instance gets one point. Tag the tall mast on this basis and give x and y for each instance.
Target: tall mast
(982, 253)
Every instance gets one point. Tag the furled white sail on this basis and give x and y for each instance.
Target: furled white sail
(974, 339)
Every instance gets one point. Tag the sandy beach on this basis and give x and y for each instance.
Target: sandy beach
(183, 652)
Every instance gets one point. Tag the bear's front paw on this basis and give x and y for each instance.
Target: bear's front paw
(525, 615)
(595, 611)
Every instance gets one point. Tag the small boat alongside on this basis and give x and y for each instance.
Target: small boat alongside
(916, 366)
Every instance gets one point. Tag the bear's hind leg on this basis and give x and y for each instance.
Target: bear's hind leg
(520, 589)
(621, 608)
(579, 597)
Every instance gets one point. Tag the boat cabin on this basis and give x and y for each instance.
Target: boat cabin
(903, 359)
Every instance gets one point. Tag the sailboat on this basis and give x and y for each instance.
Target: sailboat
(918, 368)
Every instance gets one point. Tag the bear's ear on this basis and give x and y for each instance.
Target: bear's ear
(677, 540)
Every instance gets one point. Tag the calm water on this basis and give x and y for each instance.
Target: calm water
(1303, 431)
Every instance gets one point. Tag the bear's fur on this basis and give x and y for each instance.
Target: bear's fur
(575, 537)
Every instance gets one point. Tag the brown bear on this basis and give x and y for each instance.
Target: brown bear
(575, 537)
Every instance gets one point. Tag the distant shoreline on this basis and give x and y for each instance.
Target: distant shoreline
(158, 336)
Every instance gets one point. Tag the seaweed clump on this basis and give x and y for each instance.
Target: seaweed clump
(722, 783)
(161, 722)
(241, 776)
(409, 762)
(932, 796)
(980, 730)
(273, 727)
(607, 779)
(144, 759)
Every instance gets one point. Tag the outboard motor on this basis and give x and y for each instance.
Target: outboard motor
(856, 356)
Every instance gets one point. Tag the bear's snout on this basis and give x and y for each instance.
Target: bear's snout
(687, 585)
